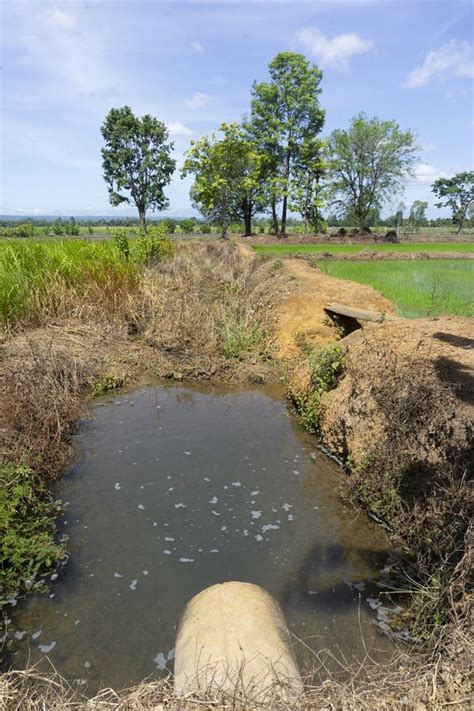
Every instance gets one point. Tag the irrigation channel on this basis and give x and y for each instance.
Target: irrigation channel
(176, 488)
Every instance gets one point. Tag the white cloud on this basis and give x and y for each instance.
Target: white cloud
(67, 53)
(426, 173)
(333, 52)
(452, 60)
(197, 46)
(177, 128)
(197, 101)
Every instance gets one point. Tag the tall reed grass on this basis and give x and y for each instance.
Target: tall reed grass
(44, 279)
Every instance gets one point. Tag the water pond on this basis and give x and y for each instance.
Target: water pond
(174, 489)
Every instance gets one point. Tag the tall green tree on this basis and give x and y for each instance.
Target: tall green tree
(370, 161)
(285, 113)
(308, 191)
(136, 160)
(227, 177)
(457, 193)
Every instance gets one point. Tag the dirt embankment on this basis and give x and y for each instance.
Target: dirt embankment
(300, 316)
(352, 420)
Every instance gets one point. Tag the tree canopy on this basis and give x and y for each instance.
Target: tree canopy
(136, 160)
(369, 163)
(456, 193)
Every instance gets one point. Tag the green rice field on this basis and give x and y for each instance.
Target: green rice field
(418, 287)
(293, 249)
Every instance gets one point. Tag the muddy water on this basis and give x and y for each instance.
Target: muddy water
(178, 488)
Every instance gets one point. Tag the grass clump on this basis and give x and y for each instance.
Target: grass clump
(325, 367)
(239, 338)
(27, 522)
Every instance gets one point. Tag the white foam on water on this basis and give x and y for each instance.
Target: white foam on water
(186, 560)
(254, 493)
(46, 648)
(37, 634)
(180, 506)
(256, 514)
(169, 539)
(160, 661)
(269, 527)
(236, 483)
(141, 507)
(117, 575)
(133, 584)
(214, 500)
(167, 552)
(117, 487)
(215, 513)
(258, 537)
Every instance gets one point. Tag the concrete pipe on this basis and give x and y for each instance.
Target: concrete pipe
(232, 637)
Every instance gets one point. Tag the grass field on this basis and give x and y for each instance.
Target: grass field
(418, 287)
(292, 249)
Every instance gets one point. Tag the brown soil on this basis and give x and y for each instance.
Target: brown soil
(446, 344)
(301, 318)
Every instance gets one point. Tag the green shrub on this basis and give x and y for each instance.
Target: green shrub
(120, 237)
(154, 246)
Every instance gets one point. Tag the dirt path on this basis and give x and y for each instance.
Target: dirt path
(300, 314)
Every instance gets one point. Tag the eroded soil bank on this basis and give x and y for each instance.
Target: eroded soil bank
(217, 313)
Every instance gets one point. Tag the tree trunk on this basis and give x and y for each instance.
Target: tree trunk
(248, 223)
(141, 217)
(274, 216)
(283, 216)
(285, 196)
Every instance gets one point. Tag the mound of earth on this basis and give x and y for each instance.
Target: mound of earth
(441, 349)
(300, 315)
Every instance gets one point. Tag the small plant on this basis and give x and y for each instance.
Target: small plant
(122, 245)
(325, 365)
(154, 246)
(105, 384)
(277, 264)
(239, 337)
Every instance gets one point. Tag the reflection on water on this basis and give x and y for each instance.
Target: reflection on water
(182, 487)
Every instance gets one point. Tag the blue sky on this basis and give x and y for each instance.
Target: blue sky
(191, 64)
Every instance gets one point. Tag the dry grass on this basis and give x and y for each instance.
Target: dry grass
(408, 683)
(207, 301)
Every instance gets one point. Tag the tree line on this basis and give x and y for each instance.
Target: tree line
(276, 162)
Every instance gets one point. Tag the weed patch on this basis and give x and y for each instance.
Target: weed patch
(27, 523)
(325, 367)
